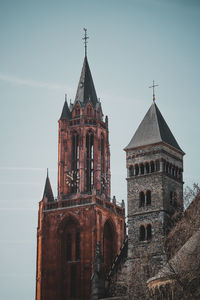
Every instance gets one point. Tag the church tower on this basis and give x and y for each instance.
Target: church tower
(155, 193)
(83, 215)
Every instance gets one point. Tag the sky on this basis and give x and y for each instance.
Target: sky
(131, 43)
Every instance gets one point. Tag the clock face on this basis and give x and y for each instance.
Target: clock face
(72, 178)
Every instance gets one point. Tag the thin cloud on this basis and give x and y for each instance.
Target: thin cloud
(24, 169)
(32, 83)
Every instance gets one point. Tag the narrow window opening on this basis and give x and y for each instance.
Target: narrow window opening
(147, 168)
(89, 161)
(69, 247)
(136, 170)
(142, 199)
(148, 198)
(142, 169)
(77, 245)
(149, 233)
(142, 233)
(152, 167)
(75, 162)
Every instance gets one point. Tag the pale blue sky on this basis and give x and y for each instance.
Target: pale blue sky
(131, 43)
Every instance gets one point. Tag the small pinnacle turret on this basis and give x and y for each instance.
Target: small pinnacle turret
(48, 194)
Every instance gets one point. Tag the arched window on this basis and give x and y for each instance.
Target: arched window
(77, 245)
(108, 245)
(69, 247)
(167, 167)
(75, 162)
(89, 161)
(149, 233)
(142, 233)
(141, 169)
(157, 165)
(147, 167)
(136, 170)
(148, 198)
(170, 169)
(142, 199)
(152, 167)
(131, 171)
(102, 163)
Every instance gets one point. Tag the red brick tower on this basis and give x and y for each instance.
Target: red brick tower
(70, 227)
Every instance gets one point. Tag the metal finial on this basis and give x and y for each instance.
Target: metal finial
(47, 172)
(85, 38)
(153, 86)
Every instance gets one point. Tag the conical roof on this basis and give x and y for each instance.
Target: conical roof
(153, 129)
(66, 114)
(48, 190)
(86, 90)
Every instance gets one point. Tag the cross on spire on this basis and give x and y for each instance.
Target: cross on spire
(153, 86)
(85, 38)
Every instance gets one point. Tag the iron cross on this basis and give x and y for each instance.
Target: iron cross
(153, 86)
(85, 38)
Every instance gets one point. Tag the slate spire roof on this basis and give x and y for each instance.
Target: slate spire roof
(66, 114)
(86, 90)
(153, 129)
(48, 190)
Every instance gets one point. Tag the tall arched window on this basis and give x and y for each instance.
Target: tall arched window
(69, 247)
(75, 161)
(147, 168)
(142, 233)
(131, 171)
(142, 199)
(136, 170)
(149, 233)
(157, 165)
(89, 161)
(89, 110)
(108, 245)
(141, 169)
(102, 163)
(148, 198)
(152, 166)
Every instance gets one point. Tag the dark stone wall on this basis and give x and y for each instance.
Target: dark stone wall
(146, 257)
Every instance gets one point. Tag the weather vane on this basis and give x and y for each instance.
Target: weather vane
(85, 38)
(153, 86)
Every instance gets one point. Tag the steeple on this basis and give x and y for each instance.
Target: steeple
(48, 194)
(86, 90)
(152, 130)
(66, 114)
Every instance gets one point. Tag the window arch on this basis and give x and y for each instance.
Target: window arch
(157, 165)
(136, 170)
(102, 163)
(152, 167)
(142, 199)
(75, 161)
(142, 233)
(147, 167)
(108, 244)
(89, 161)
(149, 233)
(131, 171)
(148, 198)
(141, 169)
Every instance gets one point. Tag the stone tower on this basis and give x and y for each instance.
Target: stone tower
(155, 193)
(70, 226)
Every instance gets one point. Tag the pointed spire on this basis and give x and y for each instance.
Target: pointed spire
(48, 194)
(152, 130)
(86, 90)
(66, 114)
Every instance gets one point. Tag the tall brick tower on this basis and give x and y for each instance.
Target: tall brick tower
(70, 226)
(155, 192)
